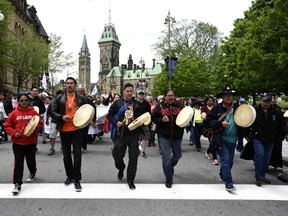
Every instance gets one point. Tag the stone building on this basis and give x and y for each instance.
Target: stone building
(22, 18)
(84, 73)
(112, 77)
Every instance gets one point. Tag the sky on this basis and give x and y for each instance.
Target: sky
(138, 24)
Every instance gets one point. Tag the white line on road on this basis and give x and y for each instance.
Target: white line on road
(146, 191)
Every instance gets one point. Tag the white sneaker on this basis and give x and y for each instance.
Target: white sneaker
(16, 189)
(31, 178)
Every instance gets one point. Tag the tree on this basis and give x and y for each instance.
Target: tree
(255, 56)
(27, 54)
(196, 44)
(58, 60)
(6, 8)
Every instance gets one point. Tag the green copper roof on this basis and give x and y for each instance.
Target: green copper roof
(137, 74)
(109, 34)
(84, 43)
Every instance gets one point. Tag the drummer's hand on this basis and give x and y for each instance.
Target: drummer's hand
(225, 124)
(66, 118)
(17, 135)
(165, 119)
(119, 124)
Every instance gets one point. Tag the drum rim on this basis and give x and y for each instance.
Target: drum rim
(88, 121)
(184, 123)
(133, 124)
(32, 127)
(251, 120)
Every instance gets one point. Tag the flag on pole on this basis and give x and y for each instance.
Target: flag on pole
(94, 90)
(44, 81)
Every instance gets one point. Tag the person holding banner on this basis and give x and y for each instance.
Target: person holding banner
(121, 113)
(63, 109)
(23, 145)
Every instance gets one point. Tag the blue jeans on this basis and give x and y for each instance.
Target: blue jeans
(192, 136)
(226, 158)
(169, 162)
(261, 158)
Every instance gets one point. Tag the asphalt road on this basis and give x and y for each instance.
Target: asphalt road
(194, 172)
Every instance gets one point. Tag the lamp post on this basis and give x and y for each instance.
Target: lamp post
(1, 16)
(168, 21)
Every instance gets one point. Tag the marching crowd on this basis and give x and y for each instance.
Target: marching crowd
(28, 116)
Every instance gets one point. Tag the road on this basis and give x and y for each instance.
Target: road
(196, 189)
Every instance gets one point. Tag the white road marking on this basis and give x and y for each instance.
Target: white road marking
(146, 191)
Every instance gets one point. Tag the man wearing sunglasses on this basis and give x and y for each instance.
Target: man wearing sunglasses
(63, 109)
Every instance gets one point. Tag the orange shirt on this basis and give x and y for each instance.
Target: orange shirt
(70, 105)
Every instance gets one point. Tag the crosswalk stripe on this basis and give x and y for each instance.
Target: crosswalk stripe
(146, 191)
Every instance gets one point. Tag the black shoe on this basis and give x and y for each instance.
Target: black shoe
(78, 187)
(282, 178)
(120, 174)
(230, 188)
(258, 182)
(31, 178)
(168, 184)
(16, 189)
(43, 142)
(198, 149)
(68, 181)
(267, 181)
(131, 185)
(144, 155)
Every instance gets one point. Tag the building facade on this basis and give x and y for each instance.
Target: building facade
(84, 73)
(23, 18)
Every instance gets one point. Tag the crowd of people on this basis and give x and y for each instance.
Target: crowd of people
(212, 118)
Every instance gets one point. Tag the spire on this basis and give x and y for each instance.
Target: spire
(84, 49)
(109, 33)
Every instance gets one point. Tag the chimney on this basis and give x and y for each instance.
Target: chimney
(153, 63)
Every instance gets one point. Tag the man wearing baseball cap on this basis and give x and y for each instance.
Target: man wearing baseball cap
(267, 127)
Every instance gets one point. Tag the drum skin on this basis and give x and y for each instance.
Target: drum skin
(139, 121)
(245, 115)
(30, 128)
(83, 116)
(185, 116)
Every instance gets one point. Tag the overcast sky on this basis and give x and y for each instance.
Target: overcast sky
(138, 23)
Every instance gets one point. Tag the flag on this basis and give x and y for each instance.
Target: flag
(94, 90)
(44, 81)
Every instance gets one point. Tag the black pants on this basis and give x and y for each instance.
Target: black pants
(276, 159)
(20, 153)
(85, 137)
(133, 151)
(68, 139)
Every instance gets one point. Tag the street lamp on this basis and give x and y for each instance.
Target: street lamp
(168, 21)
(1, 16)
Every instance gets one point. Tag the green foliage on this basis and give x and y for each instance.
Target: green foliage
(26, 56)
(5, 7)
(255, 57)
(196, 44)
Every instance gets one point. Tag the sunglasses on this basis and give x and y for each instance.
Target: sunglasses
(23, 100)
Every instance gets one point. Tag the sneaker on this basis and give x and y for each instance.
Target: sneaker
(258, 182)
(144, 155)
(120, 175)
(78, 187)
(84, 150)
(31, 178)
(16, 189)
(265, 180)
(131, 185)
(230, 188)
(68, 181)
(282, 178)
(209, 156)
(215, 162)
(168, 184)
(51, 152)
